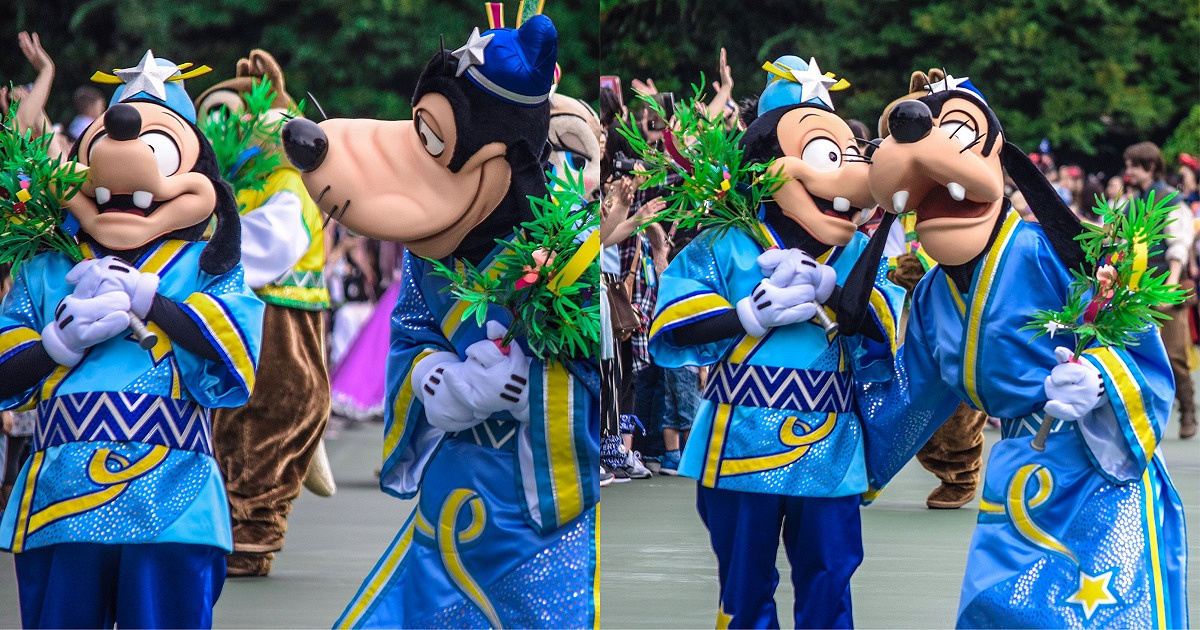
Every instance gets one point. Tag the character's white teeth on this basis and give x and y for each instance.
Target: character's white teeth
(957, 191)
(898, 200)
(103, 195)
(142, 199)
(841, 204)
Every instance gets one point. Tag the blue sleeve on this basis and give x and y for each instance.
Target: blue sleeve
(20, 328)
(899, 415)
(409, 439)
(691, 289)
(230, 316)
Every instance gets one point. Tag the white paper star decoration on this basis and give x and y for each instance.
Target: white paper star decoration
(814, 84)
(148, 76)
(471, 54)
(949, 83)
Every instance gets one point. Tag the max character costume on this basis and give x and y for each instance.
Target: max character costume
(500, 449)
(265, 447)
(777, 443)
(1090, 532)
(120, 514)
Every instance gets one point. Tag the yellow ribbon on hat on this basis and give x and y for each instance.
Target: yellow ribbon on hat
(112, 79)
(784, 72)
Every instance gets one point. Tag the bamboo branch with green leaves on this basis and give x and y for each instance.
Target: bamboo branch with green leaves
(1110, 307)
(546, 277)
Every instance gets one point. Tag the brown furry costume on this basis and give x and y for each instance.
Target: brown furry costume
(955, 451)
(264, 447)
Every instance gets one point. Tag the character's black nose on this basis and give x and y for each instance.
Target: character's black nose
(910, 121)
(123, 122)
(304, 143)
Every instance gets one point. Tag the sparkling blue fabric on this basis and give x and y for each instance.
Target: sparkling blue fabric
(119, 409)
(1107, 502)
(777, 419)
(528, 579)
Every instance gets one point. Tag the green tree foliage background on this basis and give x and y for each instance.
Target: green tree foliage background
(1091, 75)
(358, 57)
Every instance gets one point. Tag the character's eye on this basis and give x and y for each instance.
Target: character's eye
(574, 160)
(960, 130)
(433, 144)
(822, 154)
(166, 152)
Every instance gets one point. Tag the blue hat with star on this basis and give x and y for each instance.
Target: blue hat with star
(792, 81)
(514, 65)
(955, 83)
(154, 79)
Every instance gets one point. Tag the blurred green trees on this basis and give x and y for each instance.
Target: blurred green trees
(1090, 75)
(358, 57)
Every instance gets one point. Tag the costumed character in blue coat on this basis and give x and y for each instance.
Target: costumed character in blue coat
(777, 444)
(500, 449)
(1090, 532)
(120, 516)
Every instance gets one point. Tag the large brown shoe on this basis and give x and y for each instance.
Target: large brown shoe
(950, 496)
(239, 564)
(1187, 425)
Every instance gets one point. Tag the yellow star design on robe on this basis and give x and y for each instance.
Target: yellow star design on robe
(723, 618)
(1093, 593)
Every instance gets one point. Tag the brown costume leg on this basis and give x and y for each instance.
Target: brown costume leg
(955, 455)
(264, 447)
(1176, 337)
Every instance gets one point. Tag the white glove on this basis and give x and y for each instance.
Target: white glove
(1073, 389)
(491, 381)
(443, 409)
(101, 275)
(769, 306)
(792, 267)
(80, 323)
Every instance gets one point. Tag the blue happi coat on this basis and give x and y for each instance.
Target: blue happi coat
(504, 532)
(122, 452)
(779, 414)
(1089, 533)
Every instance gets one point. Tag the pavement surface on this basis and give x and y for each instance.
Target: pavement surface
(657, 570)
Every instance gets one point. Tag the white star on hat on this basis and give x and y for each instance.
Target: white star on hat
(471, 54)
(148, 76)
(814, 84)
(949, 83)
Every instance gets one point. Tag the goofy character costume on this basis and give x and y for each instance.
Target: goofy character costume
(777, 443)
(500, 450)
(1090, 532)
(120, 517)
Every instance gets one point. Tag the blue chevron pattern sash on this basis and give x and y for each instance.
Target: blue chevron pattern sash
(123, 417)
(746, 385)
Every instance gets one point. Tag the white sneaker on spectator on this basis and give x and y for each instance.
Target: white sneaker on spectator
(634, 466)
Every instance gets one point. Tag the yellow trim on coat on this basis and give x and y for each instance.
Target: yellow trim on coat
(1131, 395)
(982, 291)
(716, 444)
(560, 441)
(689, 308)
(224, 329)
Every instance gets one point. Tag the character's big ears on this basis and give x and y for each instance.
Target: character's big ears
(224, 250)
(1055, 217)
(917, 81)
